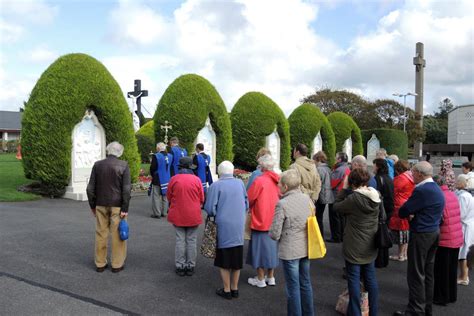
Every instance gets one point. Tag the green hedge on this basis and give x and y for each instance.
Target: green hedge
(344, 127)
(146, 141)
(186, 104)
(72, 84)
(393, 140)
(306, 122)
(253, 117)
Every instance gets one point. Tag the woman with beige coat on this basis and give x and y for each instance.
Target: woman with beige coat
(289, 228)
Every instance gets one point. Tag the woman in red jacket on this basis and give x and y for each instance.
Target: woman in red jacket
(263, 196)
(450, 240)
(186, 196)
(403, 187)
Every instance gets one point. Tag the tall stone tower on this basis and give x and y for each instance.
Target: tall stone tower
(420, 64)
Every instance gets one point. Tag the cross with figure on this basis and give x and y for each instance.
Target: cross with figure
(166, 127)
(136, 96)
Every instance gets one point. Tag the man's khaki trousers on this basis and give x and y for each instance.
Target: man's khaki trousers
(107, 220)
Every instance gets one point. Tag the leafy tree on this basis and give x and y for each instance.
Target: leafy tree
(444, 107)
(436, 130)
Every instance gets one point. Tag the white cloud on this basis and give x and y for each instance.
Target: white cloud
(10, 33)
(134, 22)
(35, 11)
(41, 54)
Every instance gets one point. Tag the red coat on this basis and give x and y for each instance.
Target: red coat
(450, 234)
(403, 187)
(185, 195)
(263, 196)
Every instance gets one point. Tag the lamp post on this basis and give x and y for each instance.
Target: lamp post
(460, 144)
(404, 106)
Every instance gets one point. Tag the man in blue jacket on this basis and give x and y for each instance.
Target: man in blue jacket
(177, 153)
(160, 171)
(202, 162)
(424, 208)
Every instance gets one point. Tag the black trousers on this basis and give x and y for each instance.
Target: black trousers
(420, 272)
(336, 223)
(445, 275)
(320, 215)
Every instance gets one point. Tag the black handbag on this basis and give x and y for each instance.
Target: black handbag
(382, 237)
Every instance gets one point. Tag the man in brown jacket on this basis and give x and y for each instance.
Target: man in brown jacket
(310, 180)
(108, 192)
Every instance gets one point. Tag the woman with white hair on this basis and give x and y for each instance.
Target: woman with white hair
(289, 228)
(263, 196)
(466, 201)
(227, 201)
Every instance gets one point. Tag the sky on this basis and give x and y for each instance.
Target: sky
(285, 49)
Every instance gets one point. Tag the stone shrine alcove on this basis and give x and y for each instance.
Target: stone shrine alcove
(272, 142)
(317, 144)
(372, 146)
(347, 148)
(88, 146)
(207, 137)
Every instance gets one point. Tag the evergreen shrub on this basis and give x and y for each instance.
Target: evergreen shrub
(344, 127)
(393, 140)
(253, 117)
(146, 141)
(70, 86)
(186, 104)
(306, 122)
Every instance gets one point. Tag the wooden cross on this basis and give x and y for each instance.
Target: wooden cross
(136, 95)
(166, 127)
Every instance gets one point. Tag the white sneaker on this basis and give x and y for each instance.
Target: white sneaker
(270, 281)
(256, 282)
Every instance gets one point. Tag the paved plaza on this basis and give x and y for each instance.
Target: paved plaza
(46, 268)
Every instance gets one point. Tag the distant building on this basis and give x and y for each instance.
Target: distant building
(10, 126)
(461, 125)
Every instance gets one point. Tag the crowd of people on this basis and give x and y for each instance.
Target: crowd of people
(431, 220)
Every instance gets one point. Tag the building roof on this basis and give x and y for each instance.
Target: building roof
(10, 121)
(461, 106)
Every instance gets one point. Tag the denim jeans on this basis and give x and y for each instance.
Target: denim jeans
(354, 272)
(298, 287)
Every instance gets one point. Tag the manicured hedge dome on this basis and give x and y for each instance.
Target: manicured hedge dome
(253, 117)
(393, 140)
(186, 104)
(306, 122)
(71, 85)
(344, 127)
(146, 141)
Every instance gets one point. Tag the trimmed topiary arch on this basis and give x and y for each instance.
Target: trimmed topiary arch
(306, 122)
(186, 104)
(146, 141)
(344, 127)
(253, 117)
(72, 84)
(393, 140)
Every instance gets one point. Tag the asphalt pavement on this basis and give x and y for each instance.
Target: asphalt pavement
(47, 268)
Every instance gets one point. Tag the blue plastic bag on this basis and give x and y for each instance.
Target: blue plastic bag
(123, 229)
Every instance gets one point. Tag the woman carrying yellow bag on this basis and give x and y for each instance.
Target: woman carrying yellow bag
(289, 227)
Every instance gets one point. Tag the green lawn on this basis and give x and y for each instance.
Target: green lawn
(11, 177)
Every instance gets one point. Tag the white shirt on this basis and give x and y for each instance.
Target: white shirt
(424, 181)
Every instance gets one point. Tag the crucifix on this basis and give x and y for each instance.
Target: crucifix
(166, 127)
(136, 96)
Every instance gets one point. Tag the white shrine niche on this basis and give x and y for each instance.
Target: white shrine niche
(207, 137)
(372, 146)
(88, 146)
(272, 142)
(347, 148)
(317, 144)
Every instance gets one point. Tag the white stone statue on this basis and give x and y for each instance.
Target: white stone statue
(207, 137)
(317, 144)
(372, 146)
(272, 142)
(347, 148)
(136, 120)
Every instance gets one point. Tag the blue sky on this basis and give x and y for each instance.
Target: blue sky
(284, 49)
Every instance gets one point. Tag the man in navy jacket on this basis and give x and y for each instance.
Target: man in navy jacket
(424, 208)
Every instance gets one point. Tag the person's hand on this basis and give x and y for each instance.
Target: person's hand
(410, 217)
(93, 211)
(345, 185)
(123, 214)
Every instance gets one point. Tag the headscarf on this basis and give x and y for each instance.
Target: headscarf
(448, 174)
